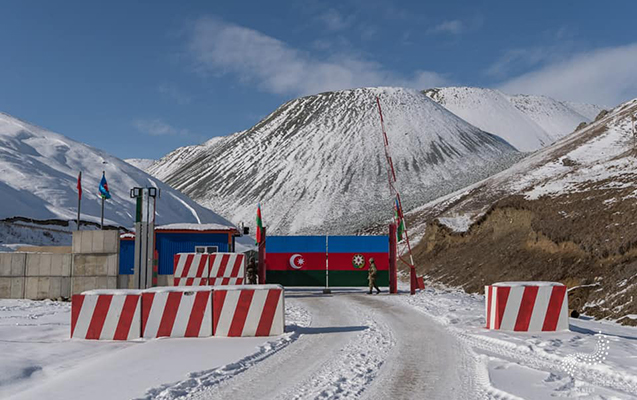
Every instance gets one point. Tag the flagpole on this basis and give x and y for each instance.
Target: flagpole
(102, 223)
(79, 199)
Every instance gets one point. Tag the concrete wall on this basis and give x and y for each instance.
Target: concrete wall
(93, 264)
(12, 273)
(95, 260)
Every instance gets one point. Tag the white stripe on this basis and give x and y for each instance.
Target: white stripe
(112, 317)
(227, 312)
(254, 312)
(206, 325)
(183, 315)
(155, 314)
(216, 263)
(278, 324)
(539, 308)
(486, 305)
(512, 308)
(135, 331)
(84, 319)
(181, 264)
(562, 322)
(494, 292)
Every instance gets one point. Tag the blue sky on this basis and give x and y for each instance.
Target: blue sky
(140, 78)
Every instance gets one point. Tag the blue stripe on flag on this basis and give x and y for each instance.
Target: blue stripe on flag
(359, 244)
(295, 244)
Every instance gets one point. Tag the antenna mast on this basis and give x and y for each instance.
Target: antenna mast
(391, 177)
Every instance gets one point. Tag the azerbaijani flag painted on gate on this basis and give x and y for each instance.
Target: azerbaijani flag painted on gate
(301, 260)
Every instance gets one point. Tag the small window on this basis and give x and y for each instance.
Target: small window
(206, 249)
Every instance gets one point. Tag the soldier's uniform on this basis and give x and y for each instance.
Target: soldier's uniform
(252, 272)
(371, 275)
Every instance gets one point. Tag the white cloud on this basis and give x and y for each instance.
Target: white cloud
(454, 27)
(157, 127)
(605, 76)
(173, 92)
(255, 58)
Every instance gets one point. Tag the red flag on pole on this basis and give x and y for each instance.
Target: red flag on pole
(79, 185)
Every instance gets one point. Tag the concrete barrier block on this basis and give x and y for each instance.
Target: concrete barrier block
(112, 265)
(5, 264)
(65, 287)
(67, 261)
(111, 282)
(98, 242)
(81, 284)
(44, 286)
(5, 288)
(90, 265)
(86, 244)
(18, 264)
(111, 242)
(33, 264)
(76, 243)
(55, 287)
(31, 288)
(56, 265)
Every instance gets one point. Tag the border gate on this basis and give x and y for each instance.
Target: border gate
(323, 260)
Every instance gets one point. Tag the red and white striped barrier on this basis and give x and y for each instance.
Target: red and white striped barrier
(255, 310)
(177, 312)
(191, 269)
(226, 269)
(527, 306)
(106, 315)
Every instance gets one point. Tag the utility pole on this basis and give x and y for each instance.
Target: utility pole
(144, 234)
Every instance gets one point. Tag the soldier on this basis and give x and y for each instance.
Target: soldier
(252, 272)
(372, 276)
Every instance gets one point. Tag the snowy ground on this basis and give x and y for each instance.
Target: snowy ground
(346, 345)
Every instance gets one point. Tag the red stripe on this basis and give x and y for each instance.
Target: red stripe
(76, 306)
(489, 299)
(267, 316)
(225, 281)
(126, 317)
(175, 263)
(204, 282)
(526, 309)
(211, 281)
(202, 265)
(239, 281)
(554, 308)
(99, 316)
(197, 314)
(241, 312)
(224, 262)
(169, 314)
(190, 281)
(219, 297)
(237, 266)
(176, 282)
(502, 295)
(147, 302)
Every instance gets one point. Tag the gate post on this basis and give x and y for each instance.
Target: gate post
(262, 262)
(393, 287)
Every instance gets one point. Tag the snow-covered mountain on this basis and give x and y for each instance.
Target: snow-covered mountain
(317, 163)
(141, 163)
(38, 178)
(565, 213)
(526, 122)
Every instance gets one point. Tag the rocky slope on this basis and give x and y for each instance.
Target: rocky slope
(566, 213)
(317, 163)
(526, 122)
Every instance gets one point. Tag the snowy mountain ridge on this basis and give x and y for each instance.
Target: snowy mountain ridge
(317, 162)
(526, 122)
(38, 179)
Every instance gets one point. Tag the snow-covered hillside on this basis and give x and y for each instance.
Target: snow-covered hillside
(317, 162)
(38, 178)
(141, 163)
(526, 122)
(565, 213)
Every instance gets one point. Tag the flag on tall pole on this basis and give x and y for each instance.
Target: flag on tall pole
(259, 224)
(104, 194)
(79, 198)
(400, 224)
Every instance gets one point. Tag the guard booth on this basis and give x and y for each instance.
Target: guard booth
(319, 260)
(178, 238)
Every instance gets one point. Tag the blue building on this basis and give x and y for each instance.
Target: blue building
(179, 238)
